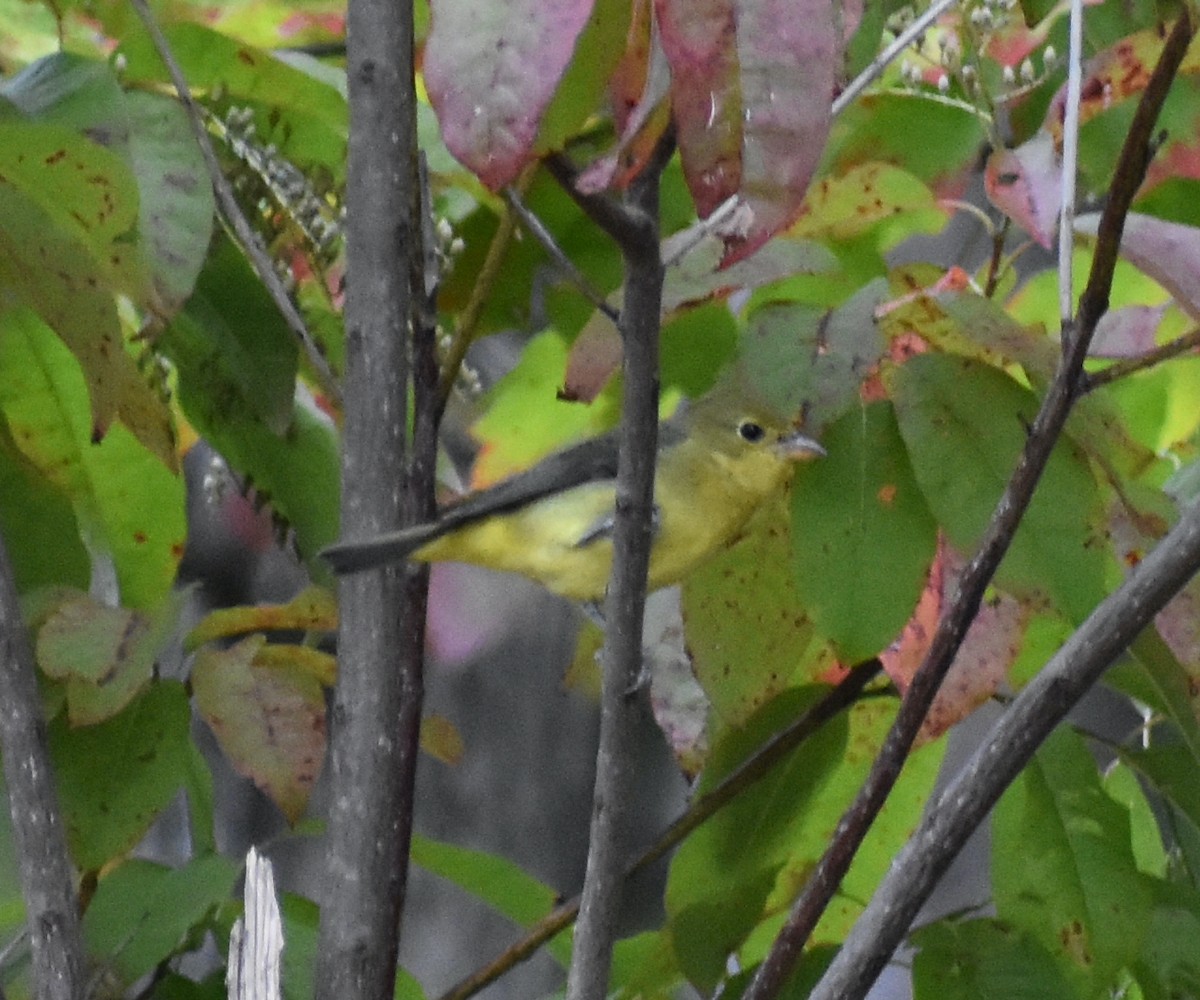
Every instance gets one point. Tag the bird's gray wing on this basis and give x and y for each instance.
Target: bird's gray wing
(593, 460)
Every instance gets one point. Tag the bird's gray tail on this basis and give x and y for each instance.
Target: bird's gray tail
(393, 546)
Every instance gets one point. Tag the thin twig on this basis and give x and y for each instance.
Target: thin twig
(485, 281)
(1070, 158)
(680, 244)
(1129, 366)
(995, 272)
(888, 55)
(953, 624)
(564, 263)
(616, 760)
(743, 777)
(616, 218)
(231, 210)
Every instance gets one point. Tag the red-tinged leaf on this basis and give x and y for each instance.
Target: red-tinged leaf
(789, 52)
(1167, 251)
(594, 359)
(700, 42)
(676, 698)
(641, 122)
(1126, 332)
(988, 651)
(628, 83)
(751, 88)
(1025, 184)
(618, 168)
(269, 721)
(492, 70)
(1117, 73)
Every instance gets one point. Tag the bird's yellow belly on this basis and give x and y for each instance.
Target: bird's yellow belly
(543, 541)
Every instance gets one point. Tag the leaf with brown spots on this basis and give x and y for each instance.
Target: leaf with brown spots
(269, 721)
(104, 655)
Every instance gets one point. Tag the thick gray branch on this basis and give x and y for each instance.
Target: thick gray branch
(51, 908)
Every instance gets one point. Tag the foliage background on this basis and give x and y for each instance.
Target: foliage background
(131, 327)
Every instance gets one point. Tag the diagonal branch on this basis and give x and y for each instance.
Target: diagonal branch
(952, 627)
(1130, 366)
(538, 230)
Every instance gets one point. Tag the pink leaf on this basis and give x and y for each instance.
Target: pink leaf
(752, 82)
(989, 649)
(1025, 184)
(1126, 332)
(491, 71)
(1167, 251)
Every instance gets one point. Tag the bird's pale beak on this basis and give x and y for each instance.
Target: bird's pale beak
(799, 448)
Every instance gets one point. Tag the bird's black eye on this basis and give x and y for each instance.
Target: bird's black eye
(750, 431)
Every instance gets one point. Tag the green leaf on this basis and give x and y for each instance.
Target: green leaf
(175, 219)
(930, 139)
(301, 924)
(971, 959)
(1170, 769)
(1168, 967)
(236, 357)
(747, 631)
(1159, 681)
(115, 778)
(129, 506)
(315, 113)
(644, 966)
(87, 193)
(498, 882)
(39, 528)
(526, 420)
(872, 196)
(104, 655)
(74, 92)
(1063, 868)
(582, 86)
(798, 355)
(965, 424)
(862, 536)
(1122, 786)
(237, 367)
(744, 866)
(74, 298)
(144, 913)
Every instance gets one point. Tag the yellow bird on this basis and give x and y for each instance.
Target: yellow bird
(718, 459)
